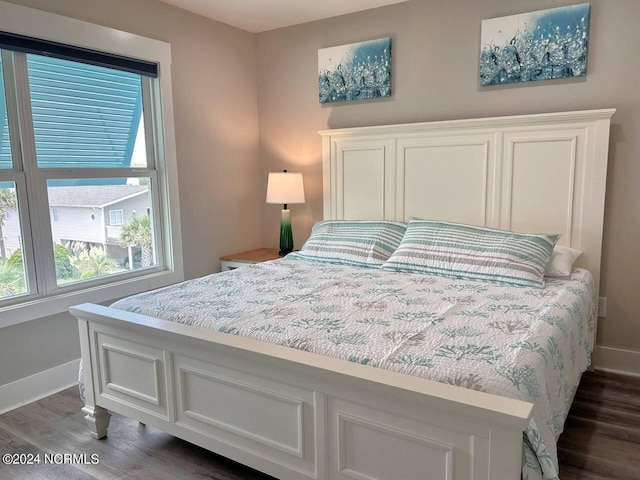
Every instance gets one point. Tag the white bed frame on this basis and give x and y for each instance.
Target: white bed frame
(297, 415)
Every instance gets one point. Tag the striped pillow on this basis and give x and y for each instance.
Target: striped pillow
(474, 253)
(366, 243)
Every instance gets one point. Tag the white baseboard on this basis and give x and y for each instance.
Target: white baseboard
(37, 386)
(617, 360)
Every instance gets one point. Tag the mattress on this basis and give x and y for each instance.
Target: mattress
(525, 343)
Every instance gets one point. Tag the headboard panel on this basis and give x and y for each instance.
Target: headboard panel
(447, 178)
(528, 173)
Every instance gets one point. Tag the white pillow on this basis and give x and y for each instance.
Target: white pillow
(561, 262)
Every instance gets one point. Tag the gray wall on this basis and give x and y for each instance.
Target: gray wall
(215, 104)
(31, 347)
(435, 77)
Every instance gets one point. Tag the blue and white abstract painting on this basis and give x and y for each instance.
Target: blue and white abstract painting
(535, 46)
(356, 71)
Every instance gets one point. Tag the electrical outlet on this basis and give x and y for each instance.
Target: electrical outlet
(602, 307)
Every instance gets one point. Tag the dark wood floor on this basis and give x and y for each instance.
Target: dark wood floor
(130, 451)
(601, 441)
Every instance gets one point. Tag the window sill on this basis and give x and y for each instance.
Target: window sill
(42, 307)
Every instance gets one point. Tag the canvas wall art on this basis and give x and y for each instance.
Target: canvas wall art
(356, 71)
(538, 45)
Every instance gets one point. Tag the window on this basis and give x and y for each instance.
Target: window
(82, 140)
(84, 122)
(115, 217)
(12, 272)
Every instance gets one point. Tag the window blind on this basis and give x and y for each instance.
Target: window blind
(22, 43)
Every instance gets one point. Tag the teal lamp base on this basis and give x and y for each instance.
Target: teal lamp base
(286, 234)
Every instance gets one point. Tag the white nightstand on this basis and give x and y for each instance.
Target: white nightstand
(236, 260)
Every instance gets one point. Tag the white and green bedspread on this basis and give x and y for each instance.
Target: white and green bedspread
(526, 343)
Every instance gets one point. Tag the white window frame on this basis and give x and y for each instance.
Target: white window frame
(113, 213)
(46, 297)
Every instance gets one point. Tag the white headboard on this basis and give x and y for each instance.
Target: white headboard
(528, 173)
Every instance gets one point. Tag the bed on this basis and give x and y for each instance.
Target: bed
(239, 389)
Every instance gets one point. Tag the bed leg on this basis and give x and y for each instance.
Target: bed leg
(98, 420)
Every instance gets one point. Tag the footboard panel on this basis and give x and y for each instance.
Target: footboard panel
(131, 373)
(289, 413)
(397, 444)
(270, 418)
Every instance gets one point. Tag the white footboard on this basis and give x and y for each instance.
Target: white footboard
(290, 413)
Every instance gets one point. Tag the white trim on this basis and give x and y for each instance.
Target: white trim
(39, 385)
(617, 360)
(538, 119)
(42, 307)
(148, 190)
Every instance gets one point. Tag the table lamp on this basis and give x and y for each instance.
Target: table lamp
(285, 188)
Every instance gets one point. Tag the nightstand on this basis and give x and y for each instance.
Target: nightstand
(229, 262)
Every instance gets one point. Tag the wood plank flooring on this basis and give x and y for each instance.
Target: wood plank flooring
(601, 441)
(130, 451)
(602, 433)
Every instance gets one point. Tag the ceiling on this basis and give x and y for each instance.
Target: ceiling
(261, 15)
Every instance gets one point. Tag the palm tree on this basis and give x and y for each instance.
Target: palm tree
(137, 233)
(11, 279)
(93, 263)
(7, 202)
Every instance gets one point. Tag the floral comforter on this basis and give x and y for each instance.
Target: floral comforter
(525, 343)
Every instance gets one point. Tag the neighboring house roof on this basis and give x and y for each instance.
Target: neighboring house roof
(93, 195)
(83, 115)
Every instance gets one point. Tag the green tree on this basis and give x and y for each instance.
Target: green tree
(63, 257)
(15, 259)
(93, 263)
(137, 233)
(11, 279)
(7, 202)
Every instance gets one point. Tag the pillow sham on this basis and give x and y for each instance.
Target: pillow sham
(561, 262)
(365, 243)
(473, 253)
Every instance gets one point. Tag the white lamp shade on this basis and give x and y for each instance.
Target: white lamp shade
(285, 187)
